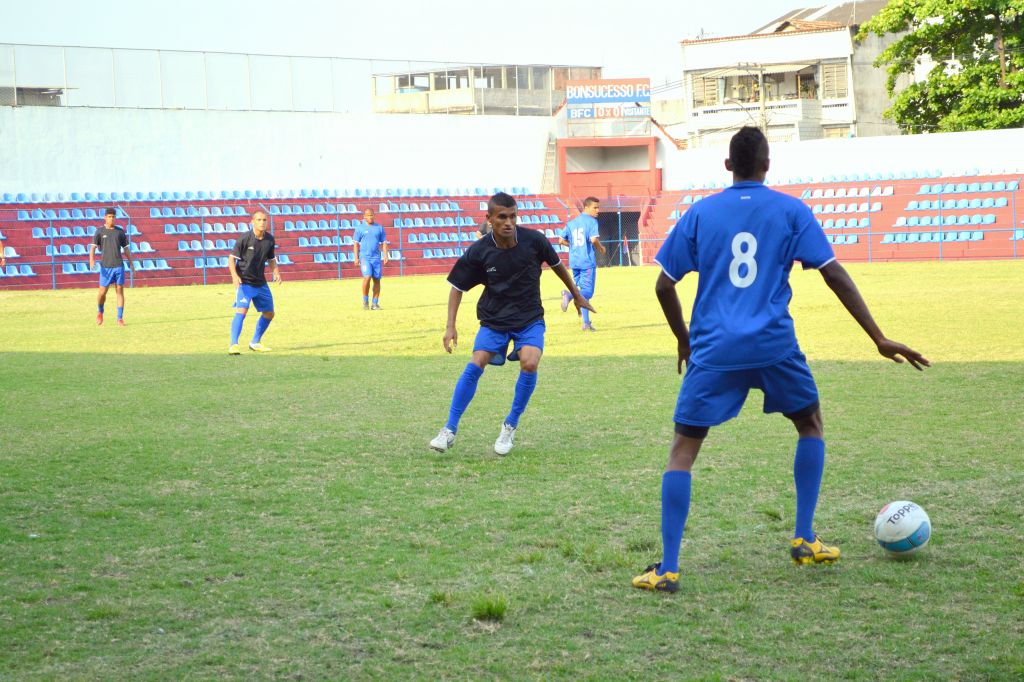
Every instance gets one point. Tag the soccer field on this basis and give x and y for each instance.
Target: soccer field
(168, 511)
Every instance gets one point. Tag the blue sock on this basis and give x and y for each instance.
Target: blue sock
(261, 326)
(465, 388)
(375, 300)
(120, 312)
(366, 300)
(236, 327)
(100, 306)
(675, 507)
(524, 389)
(808, 464)
(586, 316)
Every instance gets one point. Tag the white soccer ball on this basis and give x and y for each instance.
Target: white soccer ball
(902, 528)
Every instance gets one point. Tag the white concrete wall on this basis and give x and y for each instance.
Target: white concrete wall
(79, 149)
(990, 151)
(775, 48)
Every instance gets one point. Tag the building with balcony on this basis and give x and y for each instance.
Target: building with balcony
(506, 90)
(800, 77)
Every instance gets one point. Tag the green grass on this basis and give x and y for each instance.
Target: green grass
(168, 511)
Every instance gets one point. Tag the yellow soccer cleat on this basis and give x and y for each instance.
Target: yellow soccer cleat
(816, 552)
(234, 350)
(650, 580)
(258, 348)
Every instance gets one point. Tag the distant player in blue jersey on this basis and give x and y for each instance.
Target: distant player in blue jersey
(582, 237)
(743, 242)
(507, 262)
(247, 265)
(112, 241)
(369, 238)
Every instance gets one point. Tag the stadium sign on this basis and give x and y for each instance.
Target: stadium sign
(622, 90)
(593, 100)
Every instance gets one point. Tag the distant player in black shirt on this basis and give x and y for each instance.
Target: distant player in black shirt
(246, 265)
(112, 241)
(507, 261)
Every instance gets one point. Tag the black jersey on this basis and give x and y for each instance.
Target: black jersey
(251, 256)
(110, 241)
(511, 278)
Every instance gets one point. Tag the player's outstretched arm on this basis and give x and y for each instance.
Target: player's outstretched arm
(665, 288)
(451, 334)
(842, 285)
(570, 286)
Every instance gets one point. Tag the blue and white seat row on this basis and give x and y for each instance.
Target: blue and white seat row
(970, 187)
(206, 245)
(193, 212)
(252, 194)
(957, 204)
(843, 192)
(82, 250)
(333, 240)
(432, 207)
(448, 221)
(322, 224)
(65, 214)
(932, 237)
(82, 268)
(863, 207)
(525, 205)
(843, 223)
(841, 238)
(312, 209)
(197, 228)
(75, 231)
(946, 220)
(17, 271)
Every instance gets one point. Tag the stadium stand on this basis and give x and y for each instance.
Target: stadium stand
(185, 237)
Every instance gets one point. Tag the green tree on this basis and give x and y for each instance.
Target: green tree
(977, 46)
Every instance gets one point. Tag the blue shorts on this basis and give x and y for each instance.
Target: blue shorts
(585, 279)
(370, 267)
(494, 341)
(110, 276)
(710, 397)
(259, 296)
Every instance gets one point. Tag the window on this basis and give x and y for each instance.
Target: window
(705, 91)
(833, 80)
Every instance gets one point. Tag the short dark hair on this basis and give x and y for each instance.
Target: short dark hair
(590, 200)
(748, 150)
(500, 199)
(110, 211)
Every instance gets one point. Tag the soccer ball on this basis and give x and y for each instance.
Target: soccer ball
(902, 528)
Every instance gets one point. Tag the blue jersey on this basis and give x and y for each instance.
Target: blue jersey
(743, 242)
(370, 238)
(579, 233)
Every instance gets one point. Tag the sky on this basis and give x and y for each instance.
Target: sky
(638, 38)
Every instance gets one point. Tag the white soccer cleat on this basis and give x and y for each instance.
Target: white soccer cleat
(504, 444)
(444, 440)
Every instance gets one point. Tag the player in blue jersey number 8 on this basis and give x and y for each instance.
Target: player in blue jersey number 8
(743, 242)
